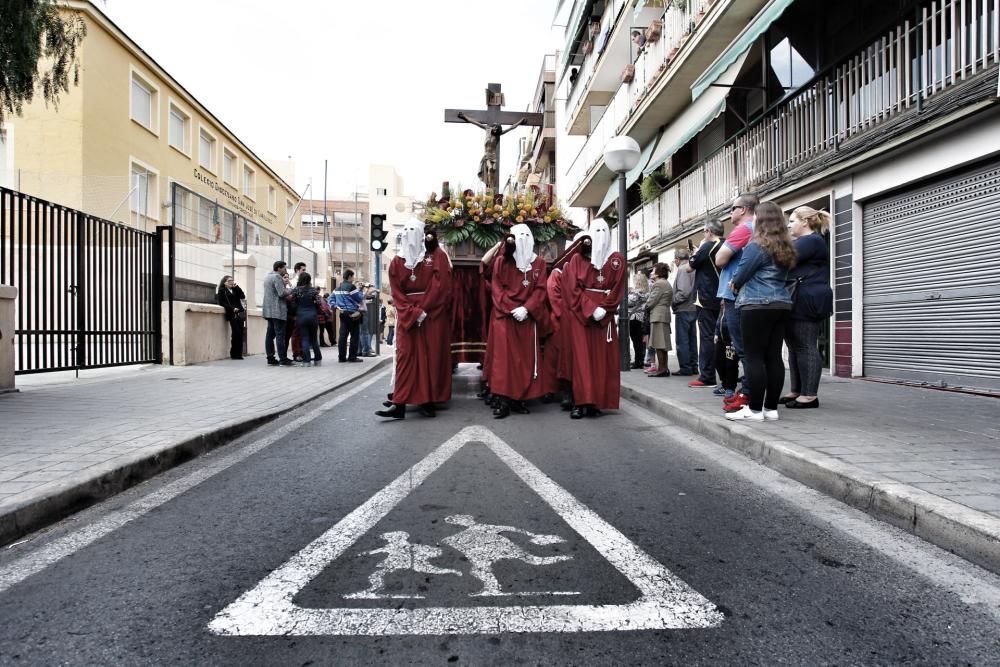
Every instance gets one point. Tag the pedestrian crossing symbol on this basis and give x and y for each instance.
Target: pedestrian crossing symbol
(665, 602)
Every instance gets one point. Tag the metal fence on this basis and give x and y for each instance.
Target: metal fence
(89, 290)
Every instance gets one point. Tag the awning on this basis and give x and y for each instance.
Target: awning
(739, 46)
(696, 117)
(610, 198)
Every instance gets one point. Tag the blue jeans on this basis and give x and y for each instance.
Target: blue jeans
(707, 321)
(307, 324)
(687, 341)
(365, 336)
(731, 320)
(275, 331)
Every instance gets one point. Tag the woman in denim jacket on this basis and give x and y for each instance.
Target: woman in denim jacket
(764, 303)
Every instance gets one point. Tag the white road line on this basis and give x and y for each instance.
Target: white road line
(666, 601)
(51, 553)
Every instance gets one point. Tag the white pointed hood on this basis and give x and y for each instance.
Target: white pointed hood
(411, 245)
(600, 238)
(524, 247)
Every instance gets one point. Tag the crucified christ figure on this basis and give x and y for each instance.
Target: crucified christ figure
(488, 165)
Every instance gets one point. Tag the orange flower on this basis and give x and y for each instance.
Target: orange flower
(534, 211)
(520, 218)
(506, 213)
(547, 219)
(476, 218)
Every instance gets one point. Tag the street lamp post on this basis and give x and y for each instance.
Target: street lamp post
(621, 154)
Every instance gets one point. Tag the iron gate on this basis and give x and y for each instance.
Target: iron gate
(89, 290)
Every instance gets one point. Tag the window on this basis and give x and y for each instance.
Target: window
(229, 166)
(143, 191)
(179, 130)
(144, 103)
(381, 192)
(272, 199)
(289, 210)
(206, 150)
(346, 218)
(249, 182)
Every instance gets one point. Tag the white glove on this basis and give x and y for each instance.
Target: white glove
(421, 317)
(520, 313)
(599, 314)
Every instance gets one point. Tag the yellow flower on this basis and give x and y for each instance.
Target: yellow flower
(534, 211)
(547, 219)
(524, 213)
(476, 218)
(520, 218)
(506, 212)
(479, 197)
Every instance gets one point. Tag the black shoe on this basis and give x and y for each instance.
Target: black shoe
(427, 410)
(483, 395)
(398, 411)
(286, 362)
(576, 413)
(440, 406)
(593, 412)
(566, 404)
(799, 405)
(549, 398)
(272, 362)
(388, 404)
(519, 407)
(355, 361)
(501, 412)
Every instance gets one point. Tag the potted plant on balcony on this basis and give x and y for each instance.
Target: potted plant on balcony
(654, 31)
(653, 185)
(628, 76)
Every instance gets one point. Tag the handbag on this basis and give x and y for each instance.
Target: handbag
(240, 315)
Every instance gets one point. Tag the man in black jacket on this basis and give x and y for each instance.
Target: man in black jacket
(707, 286)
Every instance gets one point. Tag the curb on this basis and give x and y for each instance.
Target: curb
(973, 535)
(83, 490)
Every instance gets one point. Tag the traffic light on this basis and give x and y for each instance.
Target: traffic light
(378, 233)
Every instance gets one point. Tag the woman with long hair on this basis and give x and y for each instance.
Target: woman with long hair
(637, 317)
(763, 303)
(307, 307)
(231, 297)
(813, 304)
(658, 310)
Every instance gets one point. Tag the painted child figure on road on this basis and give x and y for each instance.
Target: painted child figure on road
(400, 555)
(484, 545)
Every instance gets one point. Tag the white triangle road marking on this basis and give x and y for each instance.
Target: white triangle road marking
(666, 601)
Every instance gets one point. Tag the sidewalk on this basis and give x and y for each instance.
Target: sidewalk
(67, 443)
(924, 460)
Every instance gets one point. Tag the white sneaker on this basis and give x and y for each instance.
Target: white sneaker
(770, 415)
(745, 414)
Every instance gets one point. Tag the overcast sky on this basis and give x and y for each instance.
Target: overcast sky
(353, 82)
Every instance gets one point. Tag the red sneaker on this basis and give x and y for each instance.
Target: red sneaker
(741, 400)
(697, 383)
(729, 399)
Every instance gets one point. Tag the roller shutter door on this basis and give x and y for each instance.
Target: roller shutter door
(932, 282)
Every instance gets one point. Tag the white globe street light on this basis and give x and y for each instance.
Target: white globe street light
(621, 154)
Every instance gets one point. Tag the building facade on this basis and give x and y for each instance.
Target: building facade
(884, 113)
(537, 154)
(130, 144)
(340, 244)
(386, 196)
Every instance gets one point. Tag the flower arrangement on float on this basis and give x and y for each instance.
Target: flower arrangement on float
(484, 218)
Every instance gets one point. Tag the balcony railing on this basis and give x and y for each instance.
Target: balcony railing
(586, 71)
(678, 26)
(952, 41)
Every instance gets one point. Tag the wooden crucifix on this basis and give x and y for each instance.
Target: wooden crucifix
(492, 120)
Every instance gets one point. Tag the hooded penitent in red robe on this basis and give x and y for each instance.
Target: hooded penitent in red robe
(515, 362)
(423, 350)
(596, 365)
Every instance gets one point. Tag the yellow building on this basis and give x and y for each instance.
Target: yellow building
(130, 144)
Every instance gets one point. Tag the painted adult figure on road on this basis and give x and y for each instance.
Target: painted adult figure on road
(593, 284)
(520, 317)
(484, 546)
(420, 280)
(400, 556)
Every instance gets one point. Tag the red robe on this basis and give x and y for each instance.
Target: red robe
(596, 364)
(552, 352)
(423, 351)
(515, 363)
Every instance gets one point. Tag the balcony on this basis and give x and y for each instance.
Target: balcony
(913, 75)
(692, 39)
(600, 73)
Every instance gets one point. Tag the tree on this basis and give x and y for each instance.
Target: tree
(38, 47)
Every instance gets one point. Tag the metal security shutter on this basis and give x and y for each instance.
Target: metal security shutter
(932, 282)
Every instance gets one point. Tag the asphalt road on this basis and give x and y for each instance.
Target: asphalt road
(269, 551)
